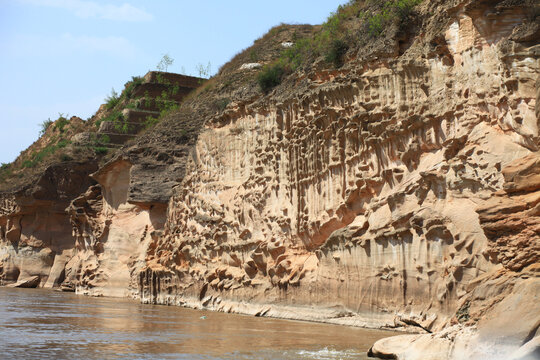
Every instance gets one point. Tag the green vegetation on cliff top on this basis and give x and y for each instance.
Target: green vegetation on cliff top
(336, 36)
(347, 28)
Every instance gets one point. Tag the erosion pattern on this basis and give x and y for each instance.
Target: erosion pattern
(90, 245)
(35, 233)
(390, 193)
(401, 190)
(85, 228)
(111, 235)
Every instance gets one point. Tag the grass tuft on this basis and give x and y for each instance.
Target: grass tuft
(112, 100)
(44, 126)
(61, 123)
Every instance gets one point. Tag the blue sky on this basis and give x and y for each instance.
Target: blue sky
(65, 56)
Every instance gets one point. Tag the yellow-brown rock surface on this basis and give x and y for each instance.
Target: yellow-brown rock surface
(401, 190)
(391, 193)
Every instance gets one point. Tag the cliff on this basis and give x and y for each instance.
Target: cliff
(390, 180)
(64, 220)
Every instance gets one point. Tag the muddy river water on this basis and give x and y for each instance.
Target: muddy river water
(44, 324)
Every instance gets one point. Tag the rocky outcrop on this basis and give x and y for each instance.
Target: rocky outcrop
(111, 235)
(511, 218)
(84, 226)
(485, 326)
(398, 191)
(375, 193)
(35, 233)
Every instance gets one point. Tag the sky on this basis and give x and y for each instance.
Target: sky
(65, 56)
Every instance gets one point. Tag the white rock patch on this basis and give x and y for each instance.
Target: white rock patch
(250, 66)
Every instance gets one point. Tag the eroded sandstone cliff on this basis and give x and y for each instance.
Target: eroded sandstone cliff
(77, 211)
(35, 233)
(381, 194)
(399, 190)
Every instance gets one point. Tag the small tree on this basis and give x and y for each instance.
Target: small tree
(165, 62)
(204, 71)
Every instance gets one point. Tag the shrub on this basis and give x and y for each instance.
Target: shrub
(28, 164)
(334, 38)
(377, 22)
(66, 157)
(164, 106)
(299, 53)
(163, 102)
(98, 122)
(61, 123)
(44, 126)
(117, 119)
(112, 100)
(329, 41)
(100, 150)
(137, 80)
(161, 80)
(147, 101)
(43, 153)
(150, 121)
(337, 49)
(221, 104)
(391, 11)
(104, 139)
(122, 126)
(133, 105)
(333, 23)
(404, 8)
(131, 86)
(271, 76)
(253, 56)
(167, 107)
(204, 71)
(63, 143)
(5, 171)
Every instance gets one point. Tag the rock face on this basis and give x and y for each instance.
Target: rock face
(401, 190)
(35, 233)
(95, 245)
(84, 227)
(111, 236)
(392, 193)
